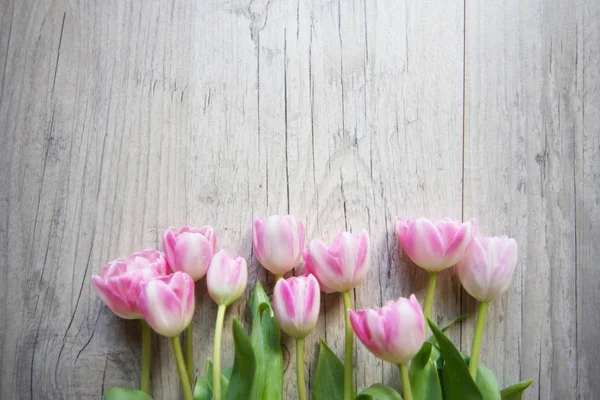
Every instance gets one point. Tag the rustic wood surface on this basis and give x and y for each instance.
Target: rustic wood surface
(121, 118)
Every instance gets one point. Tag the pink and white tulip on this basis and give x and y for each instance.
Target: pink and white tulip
(190, 249)
(296, 303)
(167, 303)
(120, 281)
(435, 245)
(487, 268)
(341, 266)
(226, 278)
(278, 242)
(394, 332)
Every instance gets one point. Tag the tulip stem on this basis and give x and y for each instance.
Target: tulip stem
(217, 352)
(475, 350)
(183, 377)
(145, 374)
(406, 390)
(189, 352)
(278, 277)
(300, 369)
(429, 297)
(349, 350)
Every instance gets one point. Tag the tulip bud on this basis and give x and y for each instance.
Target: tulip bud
(190, 249)
(435, 245)
(226, 278)
(167, 303)
(394, 332)
(341, 266)
(278, 242)
(487, 267)
(120, 282)
(296, 303)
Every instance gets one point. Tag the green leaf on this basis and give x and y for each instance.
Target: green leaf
(244, 365)
(379, 391)
(424, 379)
(486, 380)
(329, 376)
(265, 338)
(457, 383)
(450, 325)
(515, 392)
(202, 390)
(125, 394)
(224, 377)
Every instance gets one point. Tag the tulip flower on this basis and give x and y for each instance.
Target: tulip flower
(119, 287)
(341, 267)
(434, 246)
(120, 281)
(487, 268)
(394, 333)
(226, 280)
(296, 303)
(167, 303)
(190, 250)
(486, 272)
(278, 242)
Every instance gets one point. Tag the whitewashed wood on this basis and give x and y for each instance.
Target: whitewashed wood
(119, 119)
(525, 132)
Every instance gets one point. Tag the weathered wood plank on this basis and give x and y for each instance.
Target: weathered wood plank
(523, 117)
(587, 197)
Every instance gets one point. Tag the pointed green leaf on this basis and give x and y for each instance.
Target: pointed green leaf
(202, 390)
(515, 392)
(265, 337)
(485, 380)
(457, 383)
(244, 365)
(379, 391)
(424, 379)
(125, 394)
(224, 377)
(329, 376)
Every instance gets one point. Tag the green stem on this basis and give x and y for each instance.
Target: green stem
(189, 352)
(406, 390)
(300, 369)
(429, 297)
(475, 350)
(185, 381)
(217, 352)
(278, 277)
(349, 351)
(145, 374)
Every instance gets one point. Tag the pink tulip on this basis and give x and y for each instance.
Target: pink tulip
(394, 332)
(190, 249)
(120, 281)
(278, 242)
(487, 268)
(296, 303)
(226, 278)
(167, 303)
(341, 266)
(435, 245)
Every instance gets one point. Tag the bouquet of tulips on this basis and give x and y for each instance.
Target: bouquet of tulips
(158, 289)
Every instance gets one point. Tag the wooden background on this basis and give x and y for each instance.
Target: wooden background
(120, 118)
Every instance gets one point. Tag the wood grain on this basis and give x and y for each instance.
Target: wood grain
(119, 119)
